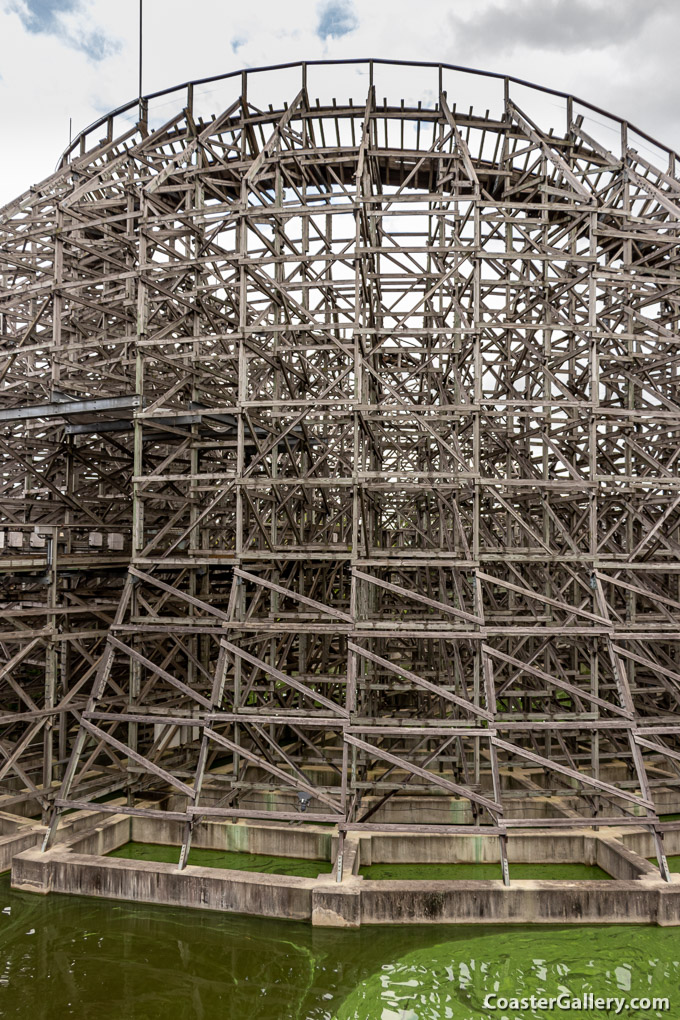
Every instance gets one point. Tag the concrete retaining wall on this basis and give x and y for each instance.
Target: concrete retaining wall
(14, 843)
(76, 864)
(524, 902)
(643, 843)
(151, 882)
(353, 902)
(312, 843)
(102, 838)
(620, 862)
(523, 847)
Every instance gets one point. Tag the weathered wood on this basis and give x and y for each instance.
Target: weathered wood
(347, 432)
(431, 777)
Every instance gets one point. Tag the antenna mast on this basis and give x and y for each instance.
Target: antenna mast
(140, 60)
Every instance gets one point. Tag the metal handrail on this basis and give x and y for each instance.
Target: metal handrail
(304, 64)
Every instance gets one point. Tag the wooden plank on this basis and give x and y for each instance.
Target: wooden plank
(138, 758)
(262, 763)
(420, 681)
(417, 596)
(329, 610)
(431, 777)
(283, 678)
(554, 766)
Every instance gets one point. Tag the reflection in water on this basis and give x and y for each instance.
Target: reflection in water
(68, 956)
(453, 978)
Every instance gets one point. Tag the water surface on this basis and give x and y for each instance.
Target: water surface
(673, 862)
(432, 872)
(233, 859)
(70, 956)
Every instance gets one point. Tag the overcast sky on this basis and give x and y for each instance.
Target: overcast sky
(78, 58)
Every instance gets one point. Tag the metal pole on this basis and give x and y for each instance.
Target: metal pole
(140, 59)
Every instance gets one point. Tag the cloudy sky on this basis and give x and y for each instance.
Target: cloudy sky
(77, 59)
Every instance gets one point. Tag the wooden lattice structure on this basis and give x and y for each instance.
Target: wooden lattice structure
(341, 449)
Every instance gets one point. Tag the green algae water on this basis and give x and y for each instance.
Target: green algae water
(673, 863)
(454, 978)
(233, 859)
(432, 872)
(91, 959)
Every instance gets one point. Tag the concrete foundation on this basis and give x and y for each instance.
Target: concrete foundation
(77, 864)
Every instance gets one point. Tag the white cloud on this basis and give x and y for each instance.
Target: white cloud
(82, 55)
